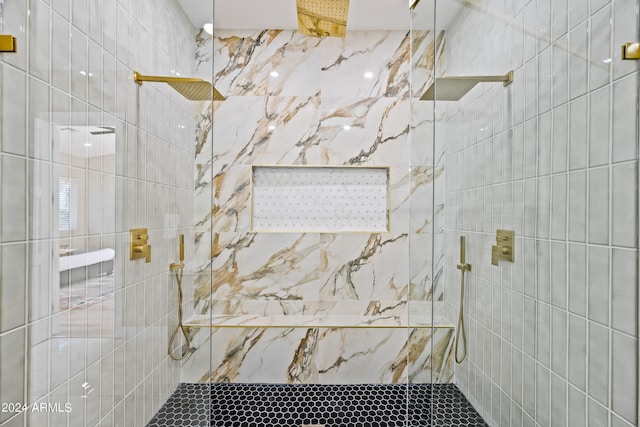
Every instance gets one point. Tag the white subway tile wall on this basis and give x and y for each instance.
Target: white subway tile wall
(553, 337)
(71, 111)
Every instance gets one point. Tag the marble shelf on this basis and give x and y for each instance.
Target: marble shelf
(314, 321)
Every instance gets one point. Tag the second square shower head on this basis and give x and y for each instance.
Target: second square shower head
(454, 88)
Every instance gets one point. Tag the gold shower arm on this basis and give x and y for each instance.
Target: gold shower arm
(139, 78)
(192, 88)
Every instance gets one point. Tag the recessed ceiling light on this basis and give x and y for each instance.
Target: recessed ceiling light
(87, 144)
(346, 127)
(208, 27)
(368, 75)
(274, 74)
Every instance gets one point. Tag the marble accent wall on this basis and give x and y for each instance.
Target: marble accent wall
(299, 100)
(93, 351)
(553, 337)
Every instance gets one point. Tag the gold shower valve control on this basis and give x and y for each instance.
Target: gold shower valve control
(503, 249)
(631, 51)
(140, 248)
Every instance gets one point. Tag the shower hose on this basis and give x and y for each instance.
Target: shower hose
(460, 326)
(180, 328)
(463, 267)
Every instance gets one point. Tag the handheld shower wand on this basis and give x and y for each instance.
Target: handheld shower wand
(463, 267)
(178, 268)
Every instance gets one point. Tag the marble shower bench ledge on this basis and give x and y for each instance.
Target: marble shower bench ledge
(314, 321)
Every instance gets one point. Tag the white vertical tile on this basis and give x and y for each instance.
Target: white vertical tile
(577, 279)
(624, 200)
(543, 222)
(79, 15)
(544, 24)
(597, 414)
(559, 274)
(79, 69)
(578, 54)
(543, 342)
(95, 20)
(560, 139)
(578, 11)
(625, 119)
(39, 120)
(600, 49)
(624, 290)
(530, 30)
(109, 26)
(599, 363)
(529, 386)
(558, 401)
(598, 274)
(14, 22)
(42, 270)
(559, 207)
(63, 7)
(577, 372)
(599, 126)
(599, 206)
(578, 137)
(559, 342)
(518, 152)
(577, 408)
(560, 74)
(60, 60)
(12, 369)
(13, 286)
(543, 390)
(544, 144)
(624, 376)
(531, 89)
(577, 206)
(559, 18)
(530, 148)
(14, 199)
(41, 192)
(530, 211)
(543, 264)
(529, 326)
(39, 39)
(13, 84)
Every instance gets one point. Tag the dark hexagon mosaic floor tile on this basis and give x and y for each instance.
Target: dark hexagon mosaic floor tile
(280, 405)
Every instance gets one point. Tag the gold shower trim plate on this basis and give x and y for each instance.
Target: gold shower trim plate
(322, 18)
(192, 88)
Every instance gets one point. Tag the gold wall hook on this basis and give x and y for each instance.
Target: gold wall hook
(631, 51)
(503, 249)
(8, 43)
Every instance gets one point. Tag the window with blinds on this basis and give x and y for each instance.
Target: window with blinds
(67, 204)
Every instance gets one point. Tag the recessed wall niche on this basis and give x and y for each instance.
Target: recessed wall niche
(327, 199)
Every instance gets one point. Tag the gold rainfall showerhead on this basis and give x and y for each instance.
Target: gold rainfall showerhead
(192, 88)
(454, 88)
(322, 18)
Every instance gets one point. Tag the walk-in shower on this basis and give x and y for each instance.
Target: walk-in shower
(328, 246)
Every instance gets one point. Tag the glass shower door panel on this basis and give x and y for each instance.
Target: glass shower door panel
(547, 156)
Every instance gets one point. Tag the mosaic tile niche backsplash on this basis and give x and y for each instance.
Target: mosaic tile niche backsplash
(298, 100)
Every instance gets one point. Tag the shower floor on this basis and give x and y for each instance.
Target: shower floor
(277, 405)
